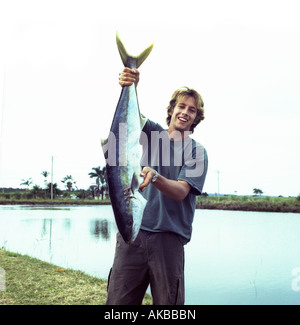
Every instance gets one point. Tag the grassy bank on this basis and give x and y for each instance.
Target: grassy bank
(243, 203)
(250, 203)
(30, 281)
(53, 202)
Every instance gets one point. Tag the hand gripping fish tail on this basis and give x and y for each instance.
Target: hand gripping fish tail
(122, 153)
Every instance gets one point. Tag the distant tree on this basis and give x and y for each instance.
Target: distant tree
(26, 183)
(83, 195)
(94, 191)
(69, 182)
(56, 190)
(37, 191)
(100, 175)
(257, 191)
(45, 174)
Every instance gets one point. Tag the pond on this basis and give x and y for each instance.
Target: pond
(234, 257)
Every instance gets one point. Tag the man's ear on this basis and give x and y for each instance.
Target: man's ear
(171, 112)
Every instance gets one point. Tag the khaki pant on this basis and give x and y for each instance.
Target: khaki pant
(155, 258)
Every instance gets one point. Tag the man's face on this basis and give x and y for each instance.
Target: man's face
(184, 114)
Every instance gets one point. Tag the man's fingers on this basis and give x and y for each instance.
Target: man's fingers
(129, 76)
(146, 173)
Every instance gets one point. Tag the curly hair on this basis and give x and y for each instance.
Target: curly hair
(182, 93)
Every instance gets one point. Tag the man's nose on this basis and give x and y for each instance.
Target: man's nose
(185, 111)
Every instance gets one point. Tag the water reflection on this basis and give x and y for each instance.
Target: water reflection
(100, 229)
(47, 227)
(75, 237)
(40, 208)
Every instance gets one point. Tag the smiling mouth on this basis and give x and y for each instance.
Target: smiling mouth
(182, 119)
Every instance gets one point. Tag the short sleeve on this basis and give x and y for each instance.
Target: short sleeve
(194, 169)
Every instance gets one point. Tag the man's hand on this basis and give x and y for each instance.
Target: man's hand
(176, 190)
(148, 174)
(129, 76)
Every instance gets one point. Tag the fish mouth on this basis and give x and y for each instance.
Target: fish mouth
(128, 193)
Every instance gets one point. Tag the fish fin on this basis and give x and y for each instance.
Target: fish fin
(124, 54)
(143, 120)
(138, 207)
(104, 141)
(104, 146)
(143, 56)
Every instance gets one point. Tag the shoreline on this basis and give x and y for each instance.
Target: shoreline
(53, 202)
(30, 281)
(251, 203)
(235, 203)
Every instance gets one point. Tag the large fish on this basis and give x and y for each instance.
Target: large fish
(122, 152)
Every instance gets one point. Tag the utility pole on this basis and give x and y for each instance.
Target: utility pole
(2, 121)
(218, 172)
(52, 178)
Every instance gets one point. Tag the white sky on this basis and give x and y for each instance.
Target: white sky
(59, 68)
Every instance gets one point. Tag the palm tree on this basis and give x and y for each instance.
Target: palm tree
(100, 175)
(36, 191)
(45, 174)
(56, 190)
(27, 183)
(69, 182)
(257, 191)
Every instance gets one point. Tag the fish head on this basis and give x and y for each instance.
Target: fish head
(132, 217)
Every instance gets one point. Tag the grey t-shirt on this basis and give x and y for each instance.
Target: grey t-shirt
(177, 160)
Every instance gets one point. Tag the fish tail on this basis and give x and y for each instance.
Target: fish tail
(126, 58)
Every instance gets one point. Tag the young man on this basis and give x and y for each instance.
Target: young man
(174, 171)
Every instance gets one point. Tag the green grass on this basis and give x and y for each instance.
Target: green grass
(4, 201)
(250, 203)
(232, 202)
(30, 281)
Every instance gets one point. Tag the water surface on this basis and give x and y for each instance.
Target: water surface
(234, 257)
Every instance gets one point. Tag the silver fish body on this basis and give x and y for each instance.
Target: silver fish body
(122, 152)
